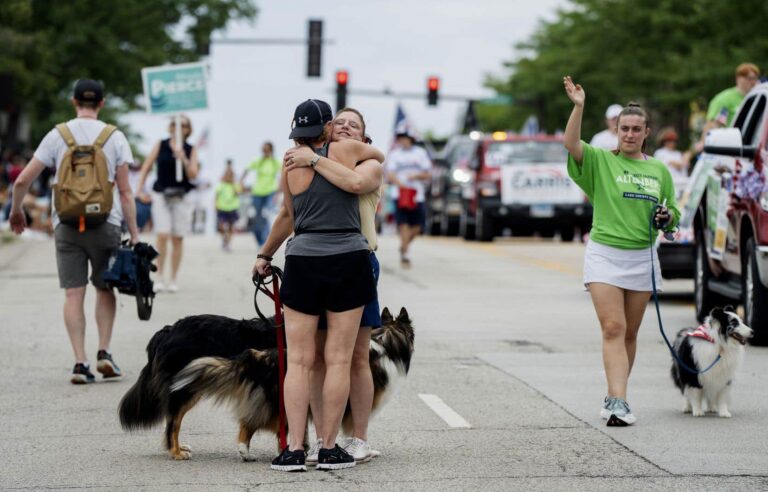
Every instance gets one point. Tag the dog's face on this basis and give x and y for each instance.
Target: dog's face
(729, 325)
(396, 336)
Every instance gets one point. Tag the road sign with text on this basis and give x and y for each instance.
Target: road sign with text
(175, 88)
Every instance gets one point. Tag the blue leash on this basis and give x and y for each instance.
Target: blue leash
(658, 311)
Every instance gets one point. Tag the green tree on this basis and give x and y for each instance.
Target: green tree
(48, 44)
(665, 54)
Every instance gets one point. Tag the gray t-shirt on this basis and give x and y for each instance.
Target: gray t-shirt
(85, 130)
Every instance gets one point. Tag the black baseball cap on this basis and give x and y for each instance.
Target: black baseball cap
(89, 90)
(309, 118)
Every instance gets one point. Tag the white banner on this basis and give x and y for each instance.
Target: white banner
(530, 184)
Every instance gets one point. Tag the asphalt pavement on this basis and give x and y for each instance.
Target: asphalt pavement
(505, 338)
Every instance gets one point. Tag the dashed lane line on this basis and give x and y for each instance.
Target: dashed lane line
(445, 412)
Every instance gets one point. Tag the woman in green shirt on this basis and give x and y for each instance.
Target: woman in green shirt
(627, 188)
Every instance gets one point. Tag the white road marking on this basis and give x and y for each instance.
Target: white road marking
(445, 412)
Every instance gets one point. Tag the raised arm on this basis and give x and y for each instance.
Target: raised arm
(573, 128)
(364, 178)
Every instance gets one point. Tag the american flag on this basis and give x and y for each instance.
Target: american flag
(403, 124)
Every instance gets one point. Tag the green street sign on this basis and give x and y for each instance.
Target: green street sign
(175, 88)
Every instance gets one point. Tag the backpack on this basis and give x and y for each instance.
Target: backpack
(82, 194)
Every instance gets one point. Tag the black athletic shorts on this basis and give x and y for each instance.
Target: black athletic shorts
(314, 284)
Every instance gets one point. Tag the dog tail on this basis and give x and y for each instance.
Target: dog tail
(143, 406)
(226, 379)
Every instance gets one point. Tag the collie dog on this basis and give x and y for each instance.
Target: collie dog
(723, 333)
(236, 362)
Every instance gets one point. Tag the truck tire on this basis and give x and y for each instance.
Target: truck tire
(484, 227)
(567, 234)
(704, 299)
(466, 230)
(754, 296)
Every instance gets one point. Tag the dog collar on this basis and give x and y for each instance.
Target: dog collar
(701, 332)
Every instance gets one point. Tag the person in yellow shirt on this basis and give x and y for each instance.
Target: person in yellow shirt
(227, 205)
(267, 169)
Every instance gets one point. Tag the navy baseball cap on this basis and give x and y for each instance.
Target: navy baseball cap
(89, 90)
(309, 118)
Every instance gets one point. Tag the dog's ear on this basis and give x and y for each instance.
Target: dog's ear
(386, 316)
(730, 309)
(403, 316)
(718, 314)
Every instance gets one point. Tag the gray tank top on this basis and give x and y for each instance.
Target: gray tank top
(326, 220)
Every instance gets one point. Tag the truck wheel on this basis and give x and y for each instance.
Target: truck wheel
(484, 227)
(449, 225)
(704, 298)
(466, 230)
(567, 234)
(754, 297)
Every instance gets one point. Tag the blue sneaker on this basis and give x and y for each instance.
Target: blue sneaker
(82, 374)
(106, 365)
(605, 411)
(621, 415)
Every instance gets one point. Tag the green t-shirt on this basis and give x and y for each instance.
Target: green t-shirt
(227, 196)
(624, 193)
(726, 101)
(266, 176)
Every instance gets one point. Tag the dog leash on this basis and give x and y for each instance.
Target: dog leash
(261, 284)
(658, 311)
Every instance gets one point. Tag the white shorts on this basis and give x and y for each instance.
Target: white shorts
(629, 269)
(171, 216)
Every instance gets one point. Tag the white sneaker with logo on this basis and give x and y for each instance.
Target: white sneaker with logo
(359, 449)
(312, 453)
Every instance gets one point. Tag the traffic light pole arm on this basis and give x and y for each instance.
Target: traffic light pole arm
(272, 41)
(408, 95)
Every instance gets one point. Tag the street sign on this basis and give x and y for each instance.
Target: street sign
(175, 88)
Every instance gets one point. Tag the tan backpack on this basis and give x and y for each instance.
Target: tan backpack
(82, 194)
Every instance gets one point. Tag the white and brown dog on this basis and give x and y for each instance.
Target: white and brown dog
(723, 333)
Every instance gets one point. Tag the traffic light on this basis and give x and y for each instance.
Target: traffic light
(433, 86)
(314, 47)
(341, 89)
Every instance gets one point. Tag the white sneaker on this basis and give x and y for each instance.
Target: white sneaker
(359, 449)
(312, 453)
(173, 288)
(159, 286)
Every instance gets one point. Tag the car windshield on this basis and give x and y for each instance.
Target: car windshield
(531, 152)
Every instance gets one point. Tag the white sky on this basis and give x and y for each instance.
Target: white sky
(254, 89)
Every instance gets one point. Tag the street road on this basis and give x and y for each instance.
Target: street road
(506, 339)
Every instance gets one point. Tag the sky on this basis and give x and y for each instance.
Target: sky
(397, 44)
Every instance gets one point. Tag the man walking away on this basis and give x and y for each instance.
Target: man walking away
(89, 157)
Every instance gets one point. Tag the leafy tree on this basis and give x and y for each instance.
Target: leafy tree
(666, 54)
(48, 44)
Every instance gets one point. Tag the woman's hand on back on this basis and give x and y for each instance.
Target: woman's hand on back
(575, 91)
(298, 157)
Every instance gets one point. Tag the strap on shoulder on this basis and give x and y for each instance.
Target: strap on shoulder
(66, 134)
(104, 135)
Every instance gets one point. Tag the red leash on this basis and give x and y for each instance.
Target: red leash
(280, 327)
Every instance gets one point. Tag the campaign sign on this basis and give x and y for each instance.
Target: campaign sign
(175, 88)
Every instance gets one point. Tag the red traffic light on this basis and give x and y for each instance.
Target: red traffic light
(341, 77)
(433, 83)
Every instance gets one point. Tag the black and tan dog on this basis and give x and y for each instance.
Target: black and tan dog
(235, 362)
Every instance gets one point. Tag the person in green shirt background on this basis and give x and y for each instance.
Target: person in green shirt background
(227, 204)
(263, 189)
(627, 189)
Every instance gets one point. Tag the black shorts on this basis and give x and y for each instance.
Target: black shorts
(314, 284)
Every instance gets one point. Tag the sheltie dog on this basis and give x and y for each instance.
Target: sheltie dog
(722, 333)
(236, 362)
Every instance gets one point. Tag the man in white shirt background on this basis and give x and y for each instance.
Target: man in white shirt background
(607, 139)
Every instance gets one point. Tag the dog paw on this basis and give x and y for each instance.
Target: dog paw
(697, 413)
(244, 453)
(181, 455)
(724, 414)
(185, 447)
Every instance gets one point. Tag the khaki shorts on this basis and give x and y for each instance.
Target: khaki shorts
(171, 215)
(75, 249)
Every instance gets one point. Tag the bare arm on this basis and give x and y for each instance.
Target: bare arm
(20, 188)
(146, 166)
(573, 128)
(282, 228)
(127, 202)
(192, 165)
(364, 178)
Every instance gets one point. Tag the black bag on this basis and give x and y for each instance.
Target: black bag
(128, 271)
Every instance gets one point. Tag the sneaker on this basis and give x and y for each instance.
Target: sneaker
(334, 459)
(621, 415)
(159, 286)
(312, 453)
(605, 411)
(359, 449)
(106, 366)
(289, 461)
(82, 374)
(173, 288)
